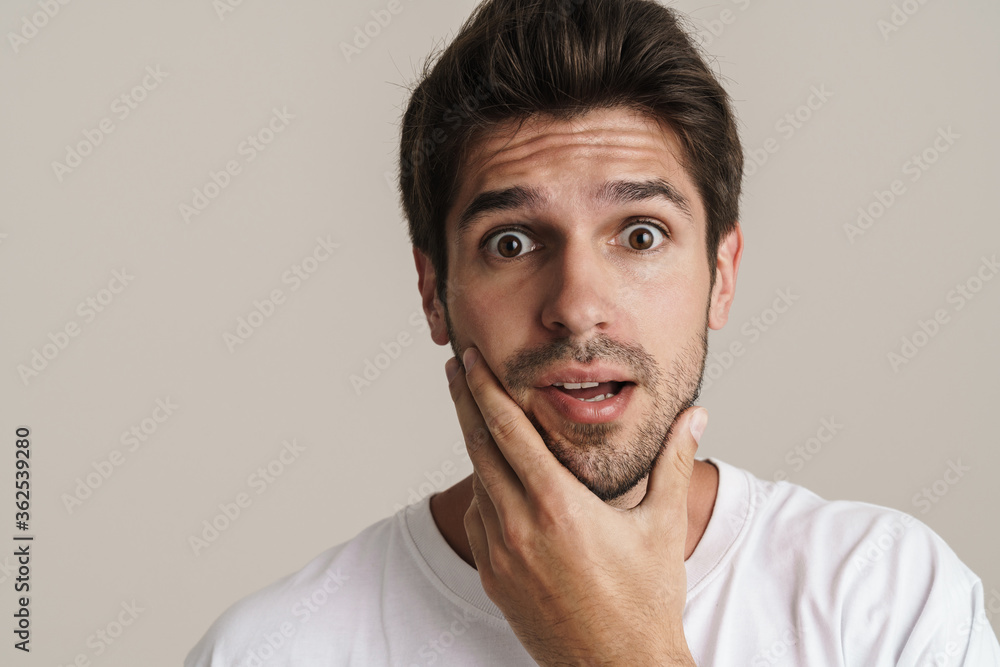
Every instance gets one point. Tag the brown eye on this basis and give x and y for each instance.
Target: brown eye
(643, 236)
(508, 244)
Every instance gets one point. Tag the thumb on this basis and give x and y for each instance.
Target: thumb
(670, 478)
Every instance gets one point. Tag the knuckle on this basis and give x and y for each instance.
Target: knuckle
(504, 426)
(476, 383)
(477, 438)
(453, 382)
(486, 575)
(556, 520)
(479, 492)
(684, 465)
(500, 563)
(471, 515)
(514, 536)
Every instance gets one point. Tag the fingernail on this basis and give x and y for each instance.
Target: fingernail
(469, 358)
(698, 423)
(451, 368)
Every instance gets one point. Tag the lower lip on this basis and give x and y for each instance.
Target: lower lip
(589, 413)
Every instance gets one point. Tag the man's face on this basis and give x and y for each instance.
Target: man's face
(580, 273)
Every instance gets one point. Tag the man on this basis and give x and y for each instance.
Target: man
(571, 175)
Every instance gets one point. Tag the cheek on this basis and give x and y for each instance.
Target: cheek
(666, 313)
(494, 320)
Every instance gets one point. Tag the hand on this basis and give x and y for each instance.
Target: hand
(579, 581)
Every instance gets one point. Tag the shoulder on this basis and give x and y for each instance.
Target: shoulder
(844, 535)
(265, 624)
(893, 586)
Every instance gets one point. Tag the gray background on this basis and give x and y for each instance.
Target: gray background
(329, 173)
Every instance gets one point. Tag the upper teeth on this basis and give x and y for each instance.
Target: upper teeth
(577, 385)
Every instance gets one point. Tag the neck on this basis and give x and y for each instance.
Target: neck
(448, 508)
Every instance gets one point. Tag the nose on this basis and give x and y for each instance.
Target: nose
(580, 296)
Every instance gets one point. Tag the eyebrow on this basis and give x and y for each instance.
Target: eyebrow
(612, 192)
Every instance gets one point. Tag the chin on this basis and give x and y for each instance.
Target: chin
(599, 458)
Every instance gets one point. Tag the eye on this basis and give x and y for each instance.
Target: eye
(642, 235)
(507, 243)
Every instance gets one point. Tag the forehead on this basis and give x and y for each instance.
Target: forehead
(572, 159)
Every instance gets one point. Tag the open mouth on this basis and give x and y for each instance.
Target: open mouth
(591, 392)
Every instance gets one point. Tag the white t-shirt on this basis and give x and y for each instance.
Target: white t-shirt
(780, 577)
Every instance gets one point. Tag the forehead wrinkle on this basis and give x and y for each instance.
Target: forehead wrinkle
(622, 142)
(499, 153)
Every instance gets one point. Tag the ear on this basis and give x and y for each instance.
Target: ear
(727, 265)
(433, 308)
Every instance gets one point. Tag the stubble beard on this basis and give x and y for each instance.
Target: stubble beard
(606, 459)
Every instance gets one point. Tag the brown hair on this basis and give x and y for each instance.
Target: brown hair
(513, 59)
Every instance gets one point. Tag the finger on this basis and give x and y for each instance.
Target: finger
(670, 479)
(487, 511)
(496, 475)
(523, 448)
(475, 530)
